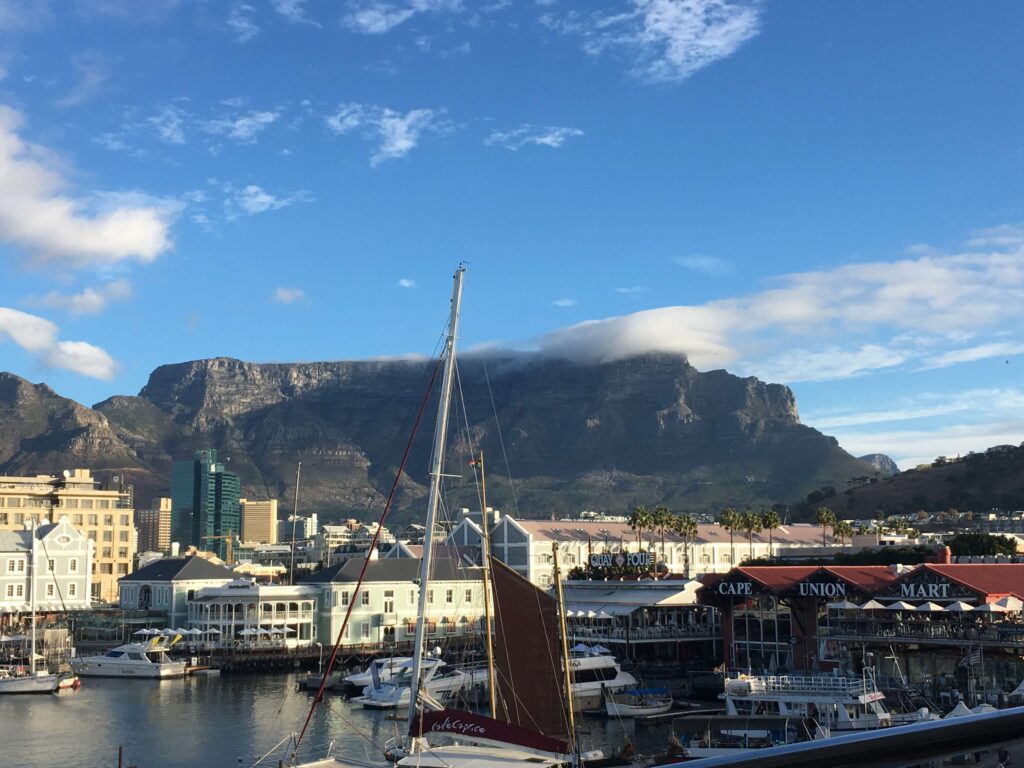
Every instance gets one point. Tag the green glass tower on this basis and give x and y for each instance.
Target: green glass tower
(204, 503)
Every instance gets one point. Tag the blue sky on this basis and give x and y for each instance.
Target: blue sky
(828, 195)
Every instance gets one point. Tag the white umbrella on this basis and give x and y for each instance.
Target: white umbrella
(1012, 603)
(591, 615)
(569, 614)
(276, 631)
(960, 605)
(844, 605)
(900, 605)
(262, 631)
(991, 608)
(581, 648)
(929, 607)
(600, 649)
(872, 605)
(145, 632)
(194, 632)
(248, 631)
(603, 615)
(212, 630)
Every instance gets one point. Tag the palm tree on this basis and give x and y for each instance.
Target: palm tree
(662, 519)
(826, 518)
(685, 526)
(770, 521)
(842, 529)
(730, 520)
(750, 522)
(639, 519)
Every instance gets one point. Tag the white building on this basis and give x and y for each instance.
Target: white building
(63, 574)
(245, 613)
(385, 608)
(168, 584)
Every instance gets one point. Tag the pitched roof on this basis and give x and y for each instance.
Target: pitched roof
(192, 568)
(707, 533)
(14, 541)
(990, 579)
(869, 578)
(393, 569)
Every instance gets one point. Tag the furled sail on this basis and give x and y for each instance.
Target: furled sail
(527, 657)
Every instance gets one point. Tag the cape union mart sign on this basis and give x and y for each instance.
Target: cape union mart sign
(622, 559)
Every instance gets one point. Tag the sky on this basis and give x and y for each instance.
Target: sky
(827, 195)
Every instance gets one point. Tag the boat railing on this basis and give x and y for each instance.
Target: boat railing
(793, 684)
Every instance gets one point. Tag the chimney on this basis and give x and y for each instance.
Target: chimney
(945, 556)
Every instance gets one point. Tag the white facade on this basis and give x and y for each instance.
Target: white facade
(63, 572)
(245, 614)
(168, 584)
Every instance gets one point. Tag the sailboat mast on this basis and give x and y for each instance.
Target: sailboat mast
(492, 683)
(32, 596)
(295, 519)
(440, 435)
(566, 660)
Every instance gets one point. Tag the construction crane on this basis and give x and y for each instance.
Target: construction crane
(229, 552)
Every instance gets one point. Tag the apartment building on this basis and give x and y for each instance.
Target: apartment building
(49, 563)
(102, 515)
(154, 527)
(259, 521)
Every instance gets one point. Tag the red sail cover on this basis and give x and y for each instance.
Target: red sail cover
(473, 726)
(527, 657)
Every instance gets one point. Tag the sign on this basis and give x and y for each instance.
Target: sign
(830, 589)
(479, 727)
(622, 559)
(924, 590)
(740, 588)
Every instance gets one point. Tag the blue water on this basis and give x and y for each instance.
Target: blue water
(207, 722)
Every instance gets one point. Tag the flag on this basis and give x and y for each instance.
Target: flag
(972, 658)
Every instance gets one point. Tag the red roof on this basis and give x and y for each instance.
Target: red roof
(778, 578)
(868, 578)
(993, 580)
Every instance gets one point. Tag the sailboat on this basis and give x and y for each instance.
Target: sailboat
(21, 679)
(532, 669)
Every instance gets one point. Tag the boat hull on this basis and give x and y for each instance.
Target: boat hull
(620, 709)
(87, 668)
(29, 684)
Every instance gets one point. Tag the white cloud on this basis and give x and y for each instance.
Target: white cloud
(564, 302)
(289, 295)
(396, 134)
(38, 215)
(376, 18)
(550, 136)
(631, 290)
(24, 14)
(89, 301)
(925, 406)
(38, 337)
(241, 24)
(253, 199)
(245, 128)
(668, 40)
(828, 324)
(708, 265)
(294, 11)
(407, 283)
(169, 123)
(92, 70)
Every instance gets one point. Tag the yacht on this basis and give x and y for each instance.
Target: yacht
(593, 675)
(385, 668)
(15, 679)
(442, 682)
(837, 703)
(130, 660)
(718, 736)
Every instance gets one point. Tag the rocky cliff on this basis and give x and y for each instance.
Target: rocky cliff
(881, 463)
(650, 430)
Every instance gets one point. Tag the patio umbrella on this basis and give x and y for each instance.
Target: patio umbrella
(569, 614)
(194, 632)
(591, 615)
(248, 631)
(1011, 603)
(900, 605)
(276, 631)
(872, 605)
(844, 605)
(142, 632)
(960, 606)
(212, 631)
(929, 607)
(991, 608)
(581, 648)
(603, 615)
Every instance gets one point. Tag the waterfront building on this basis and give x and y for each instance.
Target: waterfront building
(304, 527)
(205, 508)
(102, 515)
(62, 579)
(154, 527)
(384, 612)
(167, 585)
(525, 545)
(259, 520)
(244, 613)
(947, 628)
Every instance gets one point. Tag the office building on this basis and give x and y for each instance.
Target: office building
(204, 503)
(154, 527)
(259, 521)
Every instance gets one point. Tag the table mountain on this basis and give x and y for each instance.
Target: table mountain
(649, 429)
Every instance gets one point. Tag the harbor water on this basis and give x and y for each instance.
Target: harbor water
(224, 721)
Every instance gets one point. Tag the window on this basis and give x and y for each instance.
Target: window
(19, 519)
(93, 520)
(72, 590)
(14, 502)
(21, 566)
(430, 596)
(389, 601)
(107, 552)
(122, 552)
(10, 590)
(449, 596)
(469, 595)
(92, 535)
(344, 598)
(49, 565)
(49, 590)
(106, 567)
(108, 519)
(3, 517)
(412, 597)
(122, 569)
(10, 566)
(365, 597)
(705, 558)
(364, 630)
(19, 590)
(76, 519)
(452, 626)
(71, 503)
(122, 536)
(124, 520)
(73, 565)
(108, 535)
(87, 504)
(103, 504)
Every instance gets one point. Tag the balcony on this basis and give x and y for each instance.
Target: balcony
(999, 633)
(618, 634)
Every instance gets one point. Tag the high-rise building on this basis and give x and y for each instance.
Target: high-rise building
(154, 527)
(103, 515)
(204, 503)
(259, 521)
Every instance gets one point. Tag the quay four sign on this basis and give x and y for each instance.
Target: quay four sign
(621, 559)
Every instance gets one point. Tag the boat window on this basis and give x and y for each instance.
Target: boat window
(114, 654)
(136, 657)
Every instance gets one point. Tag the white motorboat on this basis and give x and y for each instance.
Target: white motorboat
(385, 669)
(592, 674)
(444, 683)
(637, 702)
(130, 660)
(837, 703)
(718, 736)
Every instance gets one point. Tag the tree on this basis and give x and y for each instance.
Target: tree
(750, 522)
(770, 521)
(843, 529)
(639, 519)
(661, 519)
(685, 526)
(826, 518)
(981, 544)
(730, 520)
